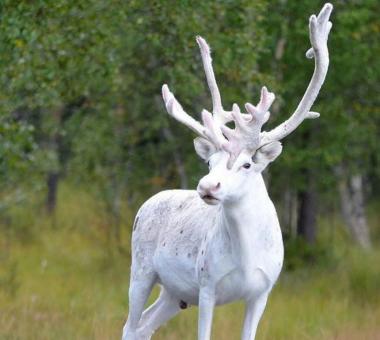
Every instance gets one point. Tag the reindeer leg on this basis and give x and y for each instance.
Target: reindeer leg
(157, 314)
(139, 292)
(254, 310)
(206, 311)
(151, 309)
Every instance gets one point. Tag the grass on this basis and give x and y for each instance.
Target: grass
(64, 281)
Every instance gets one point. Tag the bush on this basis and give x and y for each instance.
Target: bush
(364, 275)
(299, 254)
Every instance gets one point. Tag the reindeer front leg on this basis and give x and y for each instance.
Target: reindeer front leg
(206, 311)
(254, 310)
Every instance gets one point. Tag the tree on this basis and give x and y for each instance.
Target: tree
(339, 149)
(353, 107)
(87, 75)
(54, 61)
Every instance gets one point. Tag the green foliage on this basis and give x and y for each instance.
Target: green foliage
(347, 131)
(87, 76)
(17, 149)
(364, 276)
(352, 103)
(300, 254)
(52, 49)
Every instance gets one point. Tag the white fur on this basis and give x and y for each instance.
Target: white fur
(234, 252)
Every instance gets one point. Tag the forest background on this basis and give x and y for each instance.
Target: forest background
(85, 139)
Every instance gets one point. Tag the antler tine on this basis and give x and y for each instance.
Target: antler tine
(219, 114)
(213, 131)
(210, 76)
(175, 110)
(209, 130)
(319, 28)
(246, 134)
(261, 111)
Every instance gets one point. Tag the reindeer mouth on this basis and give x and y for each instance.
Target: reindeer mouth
(209, 199)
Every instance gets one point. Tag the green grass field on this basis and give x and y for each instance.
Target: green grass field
(61, 280)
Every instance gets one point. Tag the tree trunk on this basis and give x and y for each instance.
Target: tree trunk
(177, 157)
(306, 227)
(352, 207)
(289, 212)
(52, 190)
(52, 180)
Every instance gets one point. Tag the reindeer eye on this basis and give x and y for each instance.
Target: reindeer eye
(246, 165)
(208, 163)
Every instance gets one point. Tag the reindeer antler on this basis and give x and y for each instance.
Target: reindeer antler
(319, 28)
(247, 133)
(209, 130)
(219, 114)
(211, 122)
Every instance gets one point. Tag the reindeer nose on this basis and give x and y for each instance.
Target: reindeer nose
(208, 186)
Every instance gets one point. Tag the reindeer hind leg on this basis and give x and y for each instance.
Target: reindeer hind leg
(157, 314)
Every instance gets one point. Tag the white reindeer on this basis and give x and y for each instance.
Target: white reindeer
(222, 242)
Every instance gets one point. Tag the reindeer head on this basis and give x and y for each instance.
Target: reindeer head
(236, 156)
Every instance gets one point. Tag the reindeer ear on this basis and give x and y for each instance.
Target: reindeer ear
(266, 154)
(204, 148)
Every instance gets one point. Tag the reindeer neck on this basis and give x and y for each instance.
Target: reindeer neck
(246, 222)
